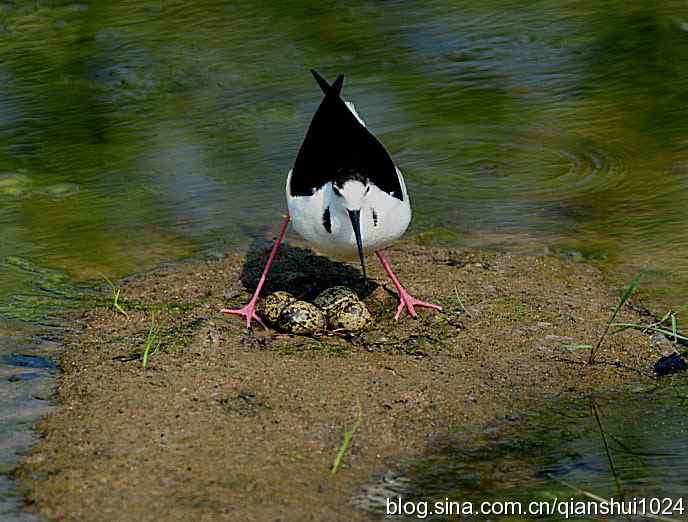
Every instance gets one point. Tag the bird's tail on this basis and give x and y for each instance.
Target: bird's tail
(330, 90)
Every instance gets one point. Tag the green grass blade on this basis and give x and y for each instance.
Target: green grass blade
(151, 340)
(115, 296)
(630, 290)
(626, 296)
(651, 328)
(346, 441)
(626, 327)
(578, 346)
(458, 298)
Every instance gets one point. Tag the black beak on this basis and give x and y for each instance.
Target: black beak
(355, 216)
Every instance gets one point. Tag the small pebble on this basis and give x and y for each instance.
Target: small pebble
(660, 343)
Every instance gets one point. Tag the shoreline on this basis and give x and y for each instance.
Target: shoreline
(221, 420)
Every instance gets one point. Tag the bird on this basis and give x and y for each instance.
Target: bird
(344, 195)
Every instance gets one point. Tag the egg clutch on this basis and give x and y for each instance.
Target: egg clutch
(337, 309)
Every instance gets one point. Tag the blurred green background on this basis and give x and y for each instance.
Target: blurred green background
(136, 132)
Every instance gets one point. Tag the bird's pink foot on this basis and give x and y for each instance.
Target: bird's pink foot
(410, 303)
(248, 312)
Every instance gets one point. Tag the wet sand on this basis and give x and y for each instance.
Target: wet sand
(226, 424)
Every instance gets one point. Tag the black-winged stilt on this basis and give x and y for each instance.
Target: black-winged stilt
(344, 194)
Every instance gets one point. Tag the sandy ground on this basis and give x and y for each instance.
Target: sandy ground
(226, 424)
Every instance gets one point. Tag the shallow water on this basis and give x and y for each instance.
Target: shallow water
(26, 383)
(554, 454)
(136, 132)
(133, 133)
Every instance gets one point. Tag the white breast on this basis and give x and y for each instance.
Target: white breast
(384, 219)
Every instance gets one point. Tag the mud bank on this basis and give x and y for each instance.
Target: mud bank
(225, 424)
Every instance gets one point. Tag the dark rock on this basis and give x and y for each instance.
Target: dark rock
(669, 365)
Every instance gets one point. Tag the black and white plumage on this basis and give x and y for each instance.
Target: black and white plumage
(345, 194)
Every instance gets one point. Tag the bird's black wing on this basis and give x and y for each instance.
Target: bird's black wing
(338, 148)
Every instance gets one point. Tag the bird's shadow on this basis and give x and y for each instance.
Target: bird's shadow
(300, 272)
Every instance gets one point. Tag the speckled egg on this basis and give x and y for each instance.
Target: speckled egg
(271, 307)
(334, 296)
(351, 315)
(301, 318)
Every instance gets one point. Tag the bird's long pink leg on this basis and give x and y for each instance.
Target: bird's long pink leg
(407, 301)
(249, 311)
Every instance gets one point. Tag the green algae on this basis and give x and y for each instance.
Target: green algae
(14, 181)
(60, 190)
(14, 186)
